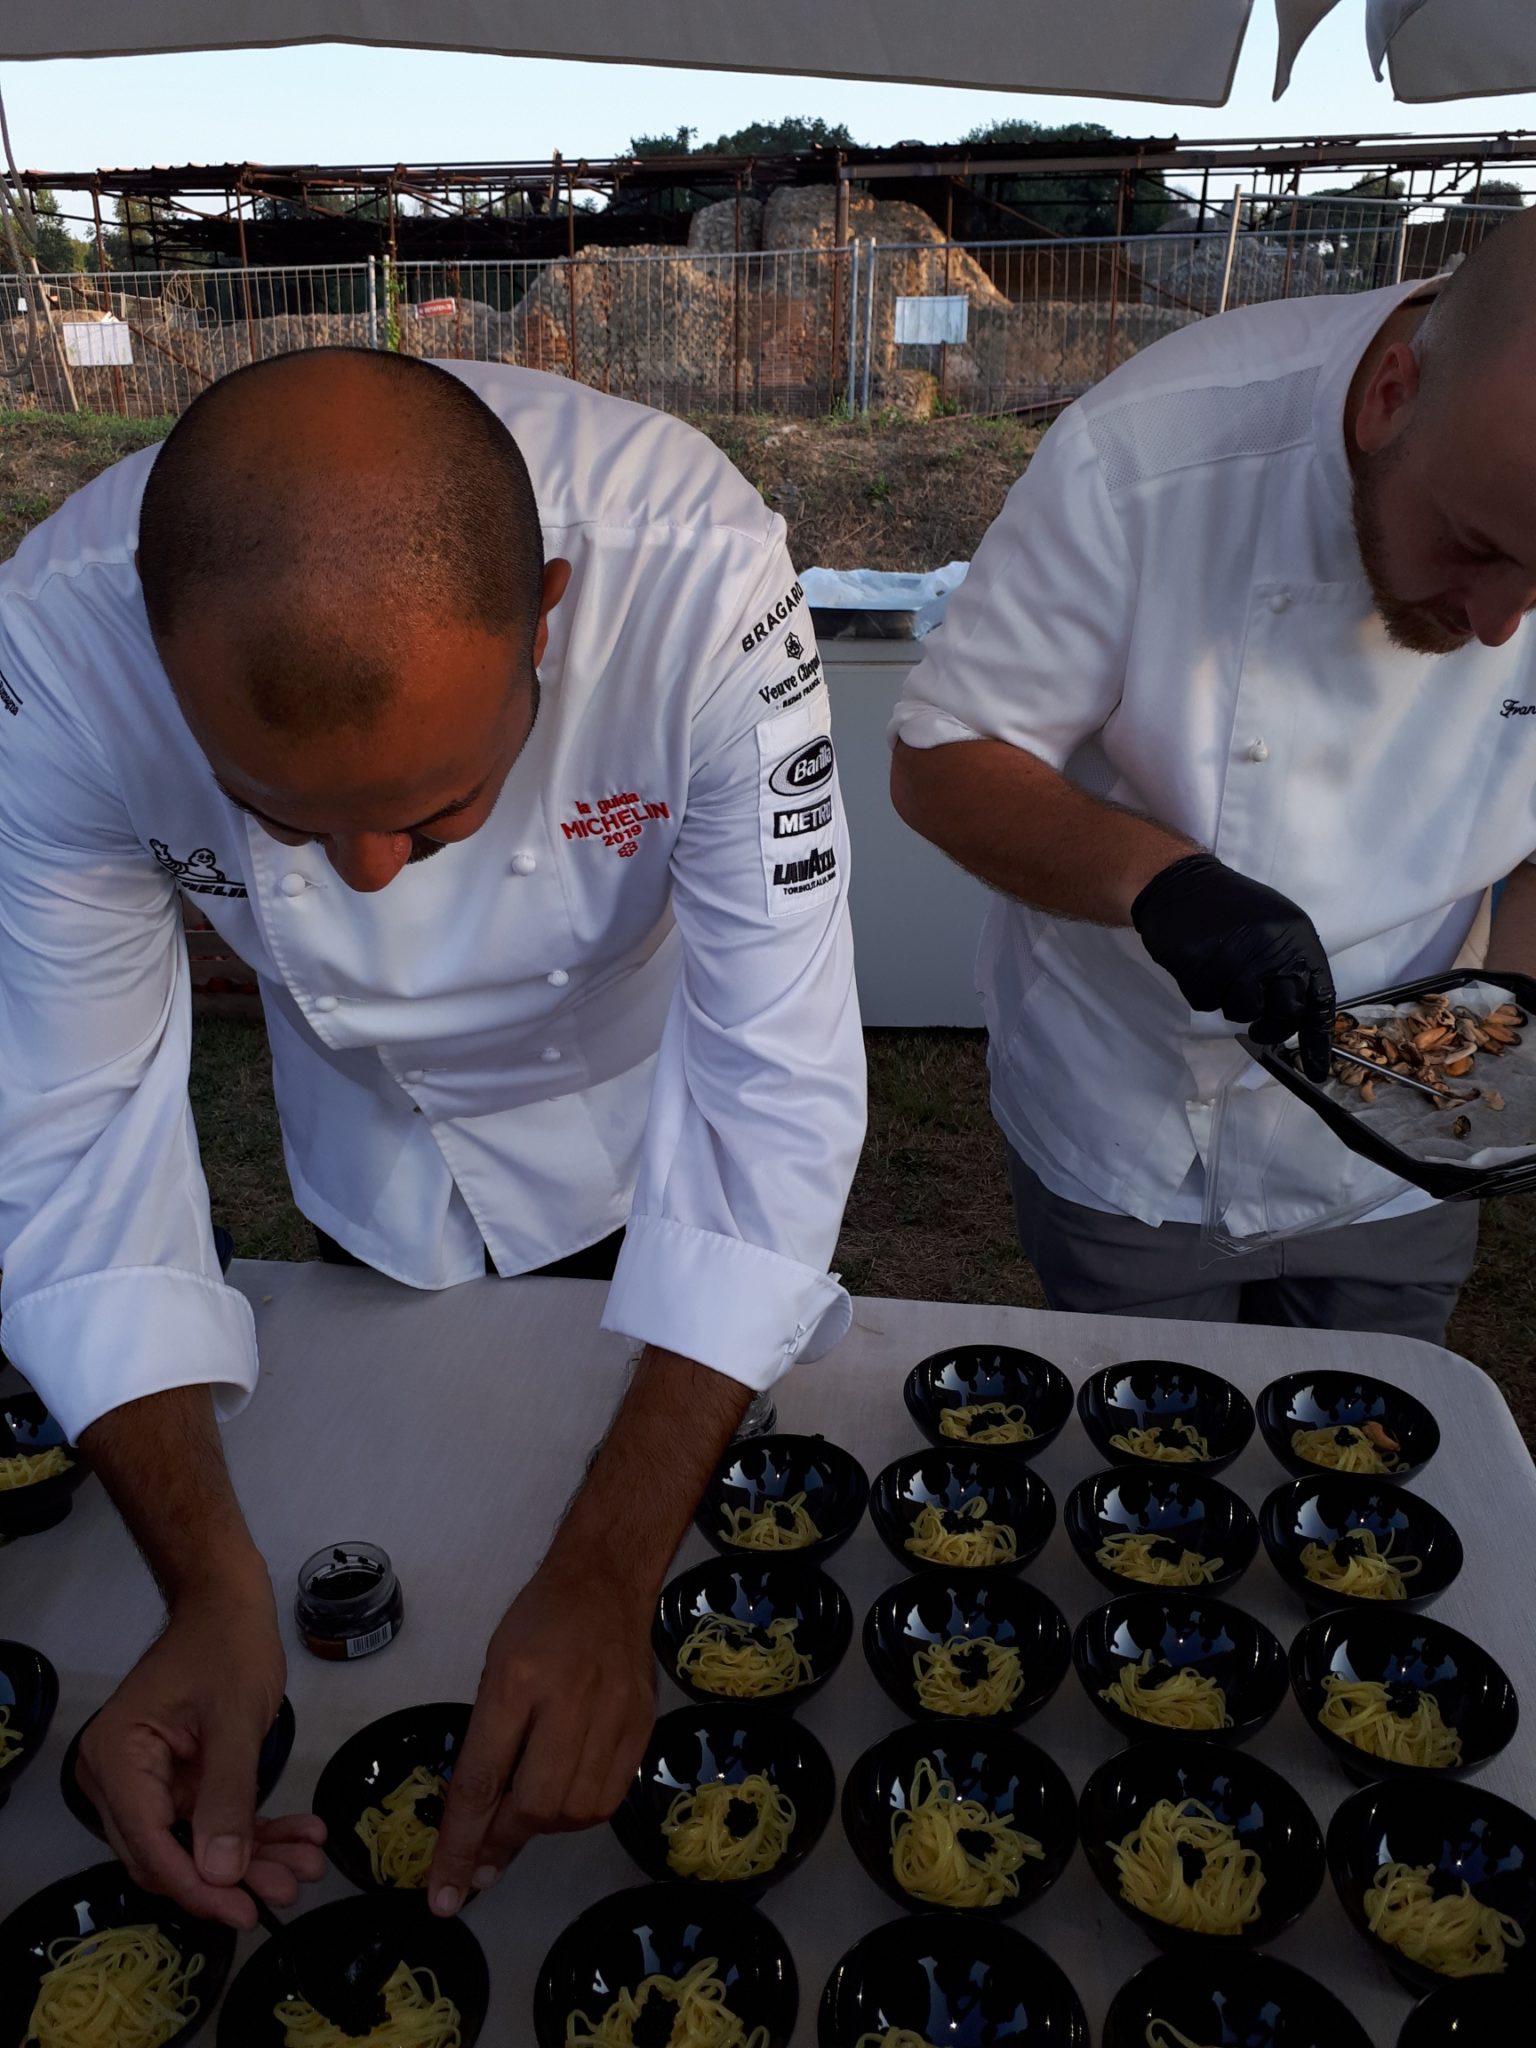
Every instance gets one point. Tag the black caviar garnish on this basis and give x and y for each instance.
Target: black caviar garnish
(740, 1819)
(976, 1843)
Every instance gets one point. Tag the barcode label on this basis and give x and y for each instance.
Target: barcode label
(363, 1646)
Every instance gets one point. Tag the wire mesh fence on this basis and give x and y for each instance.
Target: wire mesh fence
(912, 326)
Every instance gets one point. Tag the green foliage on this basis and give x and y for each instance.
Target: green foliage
(54, 246)
(758, 138)
(1494, 192)
(1073, 202)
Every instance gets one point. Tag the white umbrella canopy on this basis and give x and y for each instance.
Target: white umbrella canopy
(1175, 50)
(1182, 51)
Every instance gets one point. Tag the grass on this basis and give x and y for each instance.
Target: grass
(929, 1217)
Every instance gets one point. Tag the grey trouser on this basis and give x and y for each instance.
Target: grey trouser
(1401, 1277)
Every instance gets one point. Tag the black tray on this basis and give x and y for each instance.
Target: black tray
(1445, 1183)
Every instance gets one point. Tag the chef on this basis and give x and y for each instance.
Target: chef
(482, 715)
(1236, 706)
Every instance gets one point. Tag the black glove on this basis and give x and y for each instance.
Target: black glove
(1236, 946)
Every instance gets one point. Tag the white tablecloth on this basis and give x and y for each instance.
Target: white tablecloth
(452, 1427)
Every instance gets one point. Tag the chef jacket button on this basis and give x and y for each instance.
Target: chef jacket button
(550, 1054)
(293, 885)
(523, 863)
(414, 1075)
(325, 1002)
(1280, 601)
(1258, 751)
(558, 978)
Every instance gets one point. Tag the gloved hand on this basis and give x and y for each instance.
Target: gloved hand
(1239, 947)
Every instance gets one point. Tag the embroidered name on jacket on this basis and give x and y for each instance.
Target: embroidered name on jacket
(617, 822)
(9, 701)
(199, 872)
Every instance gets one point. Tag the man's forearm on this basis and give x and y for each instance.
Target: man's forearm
(162, 1463)
(645, 1480)
(1512, 943)
(1021, 826)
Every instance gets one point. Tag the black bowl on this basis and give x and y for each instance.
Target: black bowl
(666, 1929)
(1231, 1994)
(933, 1607)
(756, 1593)
(966, 1981)
(702, 1745)
(762, 1470)
(1386, 1647)
(1459, 1830)
(29, 1692)
(969, 1373)
(1009, 1776)
(91, 1902)
(369, 1765)
(1268, 1815)
(1157, 1393)
(1469, 2012)
(1184, 1630)
(1334, 1400)
(1175, 1501)
(270, 1762)
(1015, 1497)
(332, 1934)
(1328, 1505)
(27, 1427)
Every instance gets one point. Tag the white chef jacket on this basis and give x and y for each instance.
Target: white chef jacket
(627, 999)
(1171, 609)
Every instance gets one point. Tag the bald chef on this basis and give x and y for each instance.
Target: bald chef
(481, 714)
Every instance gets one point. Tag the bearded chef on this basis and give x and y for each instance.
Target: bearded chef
(481, 714)
(1233, 709)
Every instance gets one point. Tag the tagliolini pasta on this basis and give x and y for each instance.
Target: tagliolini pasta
(951, 1851)
(11, 1744)
(894, 2037)
(1163, 2034)
(1156, 1560)
(401, 1835)
(961, 1536)
(1183, 1866)
(987, 1422)
(1347, 1449)
(777, 1525)
(27, 1468)
(1155, 1692)
(1361, 1567)
(723, 1833)
(126, 1987)
(1151, 1443)
(742, 1661)
(968, 1675)
(692, 2010)
(1398, 1722)
(418, 2016)
(1446, 1928)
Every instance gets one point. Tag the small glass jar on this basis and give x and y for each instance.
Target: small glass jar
(761, 1418)
(349, 1602)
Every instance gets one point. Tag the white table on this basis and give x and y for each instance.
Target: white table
(452, 1427)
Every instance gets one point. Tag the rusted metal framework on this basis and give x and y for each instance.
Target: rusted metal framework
(285, 214)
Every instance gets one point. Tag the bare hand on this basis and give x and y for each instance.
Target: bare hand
(178, 1741)
(562, 1717)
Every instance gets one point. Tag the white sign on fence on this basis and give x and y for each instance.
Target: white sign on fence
(92, 344)
(924, 323)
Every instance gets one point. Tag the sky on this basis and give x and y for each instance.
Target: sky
(328, 103)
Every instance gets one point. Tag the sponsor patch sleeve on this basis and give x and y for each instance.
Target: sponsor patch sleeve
(1034, 642)
(757, 1110)
(111, 1284)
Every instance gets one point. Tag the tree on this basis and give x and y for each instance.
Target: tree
(1073, 202)
(1494, 192)
(55, 247)
(758, 138)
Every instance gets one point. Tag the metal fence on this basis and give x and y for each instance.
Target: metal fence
(911, 326)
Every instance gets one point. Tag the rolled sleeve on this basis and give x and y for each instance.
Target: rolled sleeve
(1034, 643)
(757, 1108)
(112, 1287)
